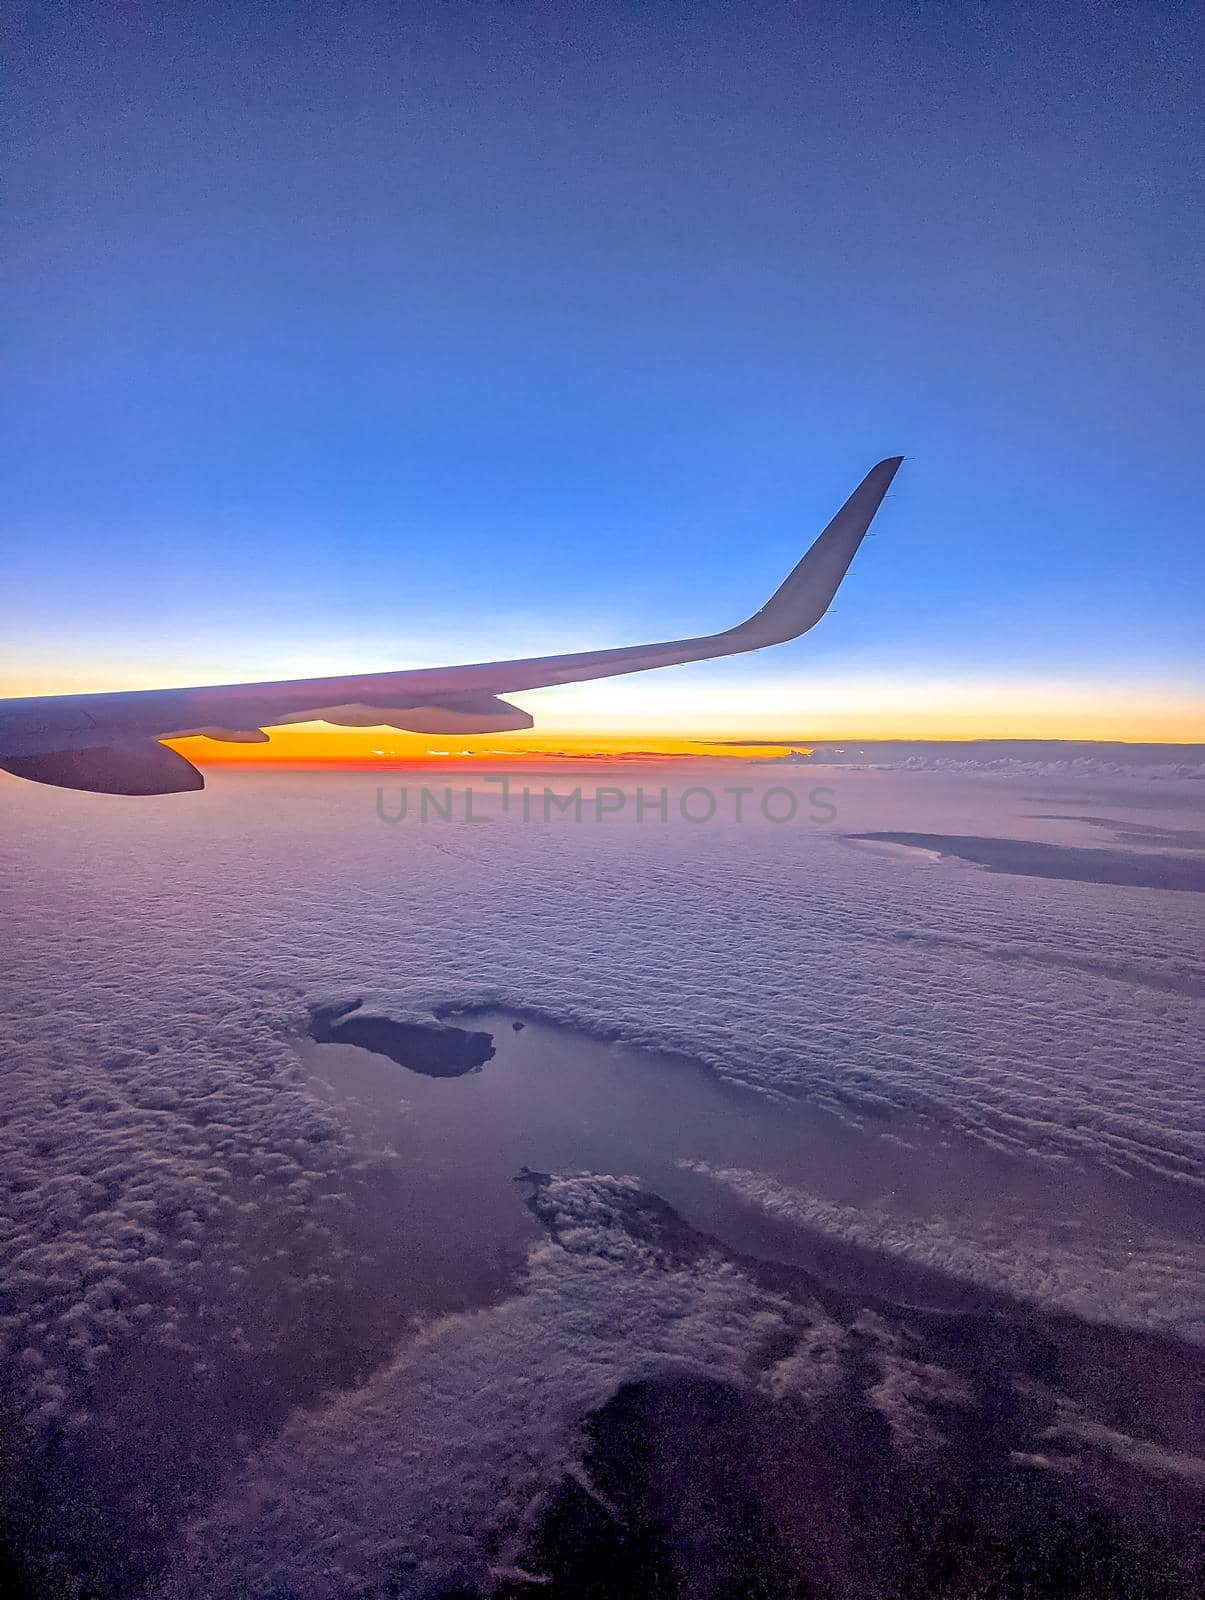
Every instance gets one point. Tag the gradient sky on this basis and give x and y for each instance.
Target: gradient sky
(353, 337)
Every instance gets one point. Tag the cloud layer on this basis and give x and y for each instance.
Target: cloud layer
(184, 1246)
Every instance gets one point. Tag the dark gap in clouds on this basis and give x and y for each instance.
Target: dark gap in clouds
(1028, 859)
(436, 1050)
(1140, 833)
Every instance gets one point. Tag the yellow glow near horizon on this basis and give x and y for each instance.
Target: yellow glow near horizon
(873, 707)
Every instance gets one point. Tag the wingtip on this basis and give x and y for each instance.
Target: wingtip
(805, 595)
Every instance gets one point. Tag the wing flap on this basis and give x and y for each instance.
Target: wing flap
(141, 767)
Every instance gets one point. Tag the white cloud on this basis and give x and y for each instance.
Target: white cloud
(173, 1194)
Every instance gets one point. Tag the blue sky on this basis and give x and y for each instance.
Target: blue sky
(363, 336)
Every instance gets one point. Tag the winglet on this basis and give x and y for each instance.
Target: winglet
(799, 603)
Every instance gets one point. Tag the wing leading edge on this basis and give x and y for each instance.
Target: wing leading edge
(109, 742)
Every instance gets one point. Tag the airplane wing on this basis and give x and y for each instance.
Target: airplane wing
(109, 743)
